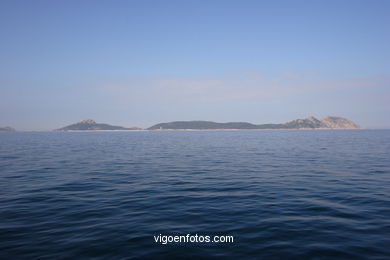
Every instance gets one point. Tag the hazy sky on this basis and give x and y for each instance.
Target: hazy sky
(137, 63)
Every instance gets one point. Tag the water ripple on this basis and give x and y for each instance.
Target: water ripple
(281, 194)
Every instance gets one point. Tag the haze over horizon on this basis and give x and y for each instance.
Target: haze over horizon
(138, 63)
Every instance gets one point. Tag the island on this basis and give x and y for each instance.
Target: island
(91, 125)
(7, 129)
(329, 122)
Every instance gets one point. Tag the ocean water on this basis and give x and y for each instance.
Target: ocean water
(281, 194)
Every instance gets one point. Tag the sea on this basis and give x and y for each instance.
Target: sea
(262, 194)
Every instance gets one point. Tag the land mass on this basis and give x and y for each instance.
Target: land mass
(7, 129)
(91, 125)
(329, 122)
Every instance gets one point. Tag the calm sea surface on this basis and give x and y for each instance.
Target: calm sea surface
(280, 194)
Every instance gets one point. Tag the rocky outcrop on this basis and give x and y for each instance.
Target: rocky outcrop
(310, 122)
(335, 122)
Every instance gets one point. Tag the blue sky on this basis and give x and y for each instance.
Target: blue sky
(136, 63)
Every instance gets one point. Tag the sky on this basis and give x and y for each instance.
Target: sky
(138, 63)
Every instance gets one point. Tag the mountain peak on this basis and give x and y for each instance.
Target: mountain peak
(87, 121)
(312, 118)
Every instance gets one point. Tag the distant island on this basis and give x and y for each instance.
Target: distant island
(91, 125)
(7, 129)
(329, 122)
